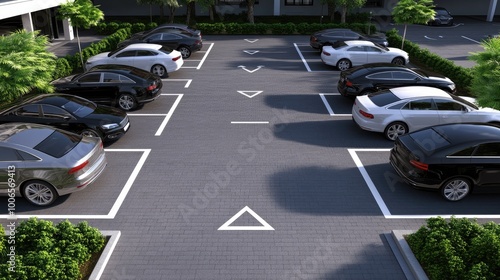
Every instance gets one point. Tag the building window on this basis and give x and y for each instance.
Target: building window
(298, 2)
(374, 4)
(235, 2)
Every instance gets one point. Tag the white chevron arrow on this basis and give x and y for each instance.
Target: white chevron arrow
(251, 41)
(251, 71)
(251, 52)
(249, 93)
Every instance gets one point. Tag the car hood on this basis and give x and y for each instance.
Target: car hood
(107, 114)
(396, 50)
(98, 57)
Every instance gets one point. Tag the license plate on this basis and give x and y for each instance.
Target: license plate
(126, 127)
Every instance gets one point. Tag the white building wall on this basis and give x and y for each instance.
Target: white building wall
(19, 7)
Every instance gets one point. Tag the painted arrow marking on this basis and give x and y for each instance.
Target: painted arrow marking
(251, 52)
(427, 37)
(249, 93)
(251, 71)
(264, 225)
(251, 41)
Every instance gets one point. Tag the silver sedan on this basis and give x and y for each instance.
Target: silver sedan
(401, 110)
(41, 163)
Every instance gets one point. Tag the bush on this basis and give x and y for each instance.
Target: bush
(63, 69)
(48, 251)
(458, 249)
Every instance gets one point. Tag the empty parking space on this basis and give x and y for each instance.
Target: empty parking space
(398, 200)
(336, 105)
(312, 59)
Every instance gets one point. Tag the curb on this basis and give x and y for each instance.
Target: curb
(409, 264)
(114, 235)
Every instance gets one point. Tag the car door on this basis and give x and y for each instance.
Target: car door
(420, 113)
(169, 40)
(111, 84)
(145, 59)
(29, 113)
(11, 167)
(451, 111)
(89, 86)
(58, 117)
(357, 55)
(383, 80)
(486, 161)
(374, 54)
(126, 57)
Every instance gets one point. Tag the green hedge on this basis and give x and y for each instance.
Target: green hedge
(47, 251)
(458, 249)
(423, 57)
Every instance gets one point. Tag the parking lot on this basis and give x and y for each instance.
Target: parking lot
(248, 166)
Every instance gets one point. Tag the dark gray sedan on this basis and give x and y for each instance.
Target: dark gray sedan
(41, 163)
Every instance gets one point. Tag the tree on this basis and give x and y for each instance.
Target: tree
(250, 17)
(486, 77)
(172, 6)
(210, 5)
(332, 6)
(82, 14)
(347, 5)
(25, 64)
(150, 3)
(413, 12)
(190, 10)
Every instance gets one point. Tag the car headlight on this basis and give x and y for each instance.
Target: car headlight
(110, 126)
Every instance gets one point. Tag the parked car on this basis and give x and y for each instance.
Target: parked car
(346, 54)
(41, 163)
(442, 17)
(373, 77)
(123, 86)
(149, 57)
(70, 113)
(328, 37)
(183, 42)
(454, 159)
(169, 27)
(398, 111)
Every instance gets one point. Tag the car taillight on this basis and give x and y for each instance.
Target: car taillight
(326, 53)
(348, 83)
(78, 167)
(176, 58)
(419, 165)
(151, 87)
(313, 39)
(365, 114)
(197, 42)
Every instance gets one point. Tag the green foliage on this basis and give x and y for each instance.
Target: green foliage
(25, 64)
(3, 245)
(458, 249)
(62, 69)
(82, 13)
(413, 11)
(48, 251)
(137, 27)
(486, 78)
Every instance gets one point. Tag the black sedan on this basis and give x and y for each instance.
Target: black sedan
(71, 113)
(373, 77)
(454, 159)
(328, 37)
(168, 27)
(117, 85)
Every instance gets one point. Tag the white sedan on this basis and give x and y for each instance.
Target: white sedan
(150, 57)
(346, 54)
(398, 111)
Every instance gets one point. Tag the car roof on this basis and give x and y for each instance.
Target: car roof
(147, 46)
(474, 133)
(28, 135)
(419, 91)
(359, 43)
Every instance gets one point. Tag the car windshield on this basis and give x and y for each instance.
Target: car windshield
(58, 143)
(420, 72)
(383, 98)
(442, 12)
(429, 140)
(115, 51)
(338, 45)
(79, 107)
(459, 99)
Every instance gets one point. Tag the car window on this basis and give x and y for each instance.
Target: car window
(449, 105)
(463, 153)
(398, 75)
(26, 156)
(381, 76)
(154, 37)
(422, 104)
(126, 54)
(53, 112)
(58, 143)
(171, 36)
(90, 78)
(8, 154)
(373, 49)
(111, 78)
(356, 49)
(145, 53)
(488, 150)
(29, 110)
(351, 35)
(124, 79)
(383, 98)
(334, 34)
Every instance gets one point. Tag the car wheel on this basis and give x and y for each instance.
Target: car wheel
(394, 130)
(89, 133)
(343, 64)
(185, 51)
(159, 70)
(39, 193)
(456, 189)
(126, 102)
(398, 61)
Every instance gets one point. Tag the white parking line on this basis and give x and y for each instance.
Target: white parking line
(381, 204)
(202, 60)
(302, 57)
(118, 202)
(329, 108)
(188, 81)
(249, 122)
(167, 115)
(467, 38)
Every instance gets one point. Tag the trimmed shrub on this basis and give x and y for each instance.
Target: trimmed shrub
(63, 69)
